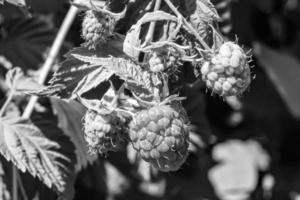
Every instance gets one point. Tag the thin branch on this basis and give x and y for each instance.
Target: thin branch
(6, 104)
(149, 36)
(187, 24)
(55, 48)
(52, 56)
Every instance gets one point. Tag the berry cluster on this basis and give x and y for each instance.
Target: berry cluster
(104, 133)
(96, 28)
(160, 135)
(228, 71)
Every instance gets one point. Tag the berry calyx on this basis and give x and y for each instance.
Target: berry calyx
(160, 136)
(227, 73)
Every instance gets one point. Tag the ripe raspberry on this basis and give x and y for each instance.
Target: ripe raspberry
(160, 135)
(96, 28)
(228, 72)
(104, 133)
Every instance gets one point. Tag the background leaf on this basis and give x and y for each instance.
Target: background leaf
(70, 121)
(18, 82)
(76, 77)
(4, 192)
(283, 69)
(236, 176)
(50, 158)
(25, 41)
(20, 3)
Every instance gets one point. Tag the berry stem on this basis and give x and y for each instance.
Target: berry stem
(188, 25)
(149, 36)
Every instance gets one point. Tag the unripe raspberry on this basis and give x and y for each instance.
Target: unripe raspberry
(160, 136)
(156, 63)
(166, 59)
(228, 71)
(96, 28)
(104, 133)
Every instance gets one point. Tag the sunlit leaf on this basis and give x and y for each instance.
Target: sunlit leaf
(48, 157)
(76, 77)
(18, 82)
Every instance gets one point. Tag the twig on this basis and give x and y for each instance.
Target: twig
(189, 26)
(52, 55)
(149, 36)
(55, 48)
(7, 102)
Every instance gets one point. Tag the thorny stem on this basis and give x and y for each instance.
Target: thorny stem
(44, 73)
(189, 26)
(7, 102)
(150, 33)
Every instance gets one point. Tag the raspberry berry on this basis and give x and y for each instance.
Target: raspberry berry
(228, 71)
(165, 59)
(104, 133)
(160, 135)
(96, 28)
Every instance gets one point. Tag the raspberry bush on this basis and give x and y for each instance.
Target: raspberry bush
(127, 81)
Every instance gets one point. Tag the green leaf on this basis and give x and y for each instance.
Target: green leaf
(26, 41)
(70, 116)
(20, 3)
(18, 82)
(132, 42)
(50, 158)
(283, 69)
(4, 192)
(203, 17)
(135, 78)
(76, 77)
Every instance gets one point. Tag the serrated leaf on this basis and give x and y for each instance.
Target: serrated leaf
(207, 11)
(70, 116)
(203, 17)
(135, 78)
(30, 150)
(76, 77)
(18, 82)
(27, 39)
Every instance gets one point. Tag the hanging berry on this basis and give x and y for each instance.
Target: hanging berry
(104, 133)
(227, 73)
(160, 135)
(96, 28)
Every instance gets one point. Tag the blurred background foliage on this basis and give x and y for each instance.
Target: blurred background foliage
(249, 147)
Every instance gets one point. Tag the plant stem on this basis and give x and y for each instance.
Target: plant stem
(151, 30)
(189, 26)
(55, 48)
(6, 104)
(52, 55)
